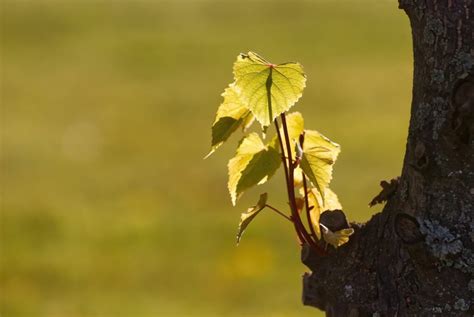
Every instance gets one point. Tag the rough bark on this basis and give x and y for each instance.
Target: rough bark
(416, 257)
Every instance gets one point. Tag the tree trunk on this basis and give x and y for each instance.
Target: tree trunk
(416, 258)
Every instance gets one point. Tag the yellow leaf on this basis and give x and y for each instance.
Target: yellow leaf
(231, 114)
(254, 163)
(330, 202)
(266, 88)
(298, 178)
(319, 155)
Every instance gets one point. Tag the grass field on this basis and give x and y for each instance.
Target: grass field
(107, 206)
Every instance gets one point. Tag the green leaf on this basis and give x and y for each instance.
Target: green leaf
(251, 213)
(319, 155)
(231, 114)
(267, 89)
(295, 124)
(254, 163)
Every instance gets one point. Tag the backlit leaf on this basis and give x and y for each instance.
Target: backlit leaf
(319, 155)
(254, 163)
(231, 114)
(267, 89)
(314, 214)
(295, 124)
(298, 179)
(330, 202)
(251, 213)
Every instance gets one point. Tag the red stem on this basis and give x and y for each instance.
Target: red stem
(291, 192)
(284, 160)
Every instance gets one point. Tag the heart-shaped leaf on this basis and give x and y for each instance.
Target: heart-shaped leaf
(268, 89)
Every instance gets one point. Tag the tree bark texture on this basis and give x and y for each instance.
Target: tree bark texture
(416, 257)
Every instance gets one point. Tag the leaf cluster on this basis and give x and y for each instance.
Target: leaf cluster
(264, 92)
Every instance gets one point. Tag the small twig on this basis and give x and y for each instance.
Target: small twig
(279, 212)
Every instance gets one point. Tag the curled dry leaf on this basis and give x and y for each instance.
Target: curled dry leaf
(338, 238)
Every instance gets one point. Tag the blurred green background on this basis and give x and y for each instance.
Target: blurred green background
(108, 208)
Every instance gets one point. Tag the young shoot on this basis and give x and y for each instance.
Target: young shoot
(265, 92)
